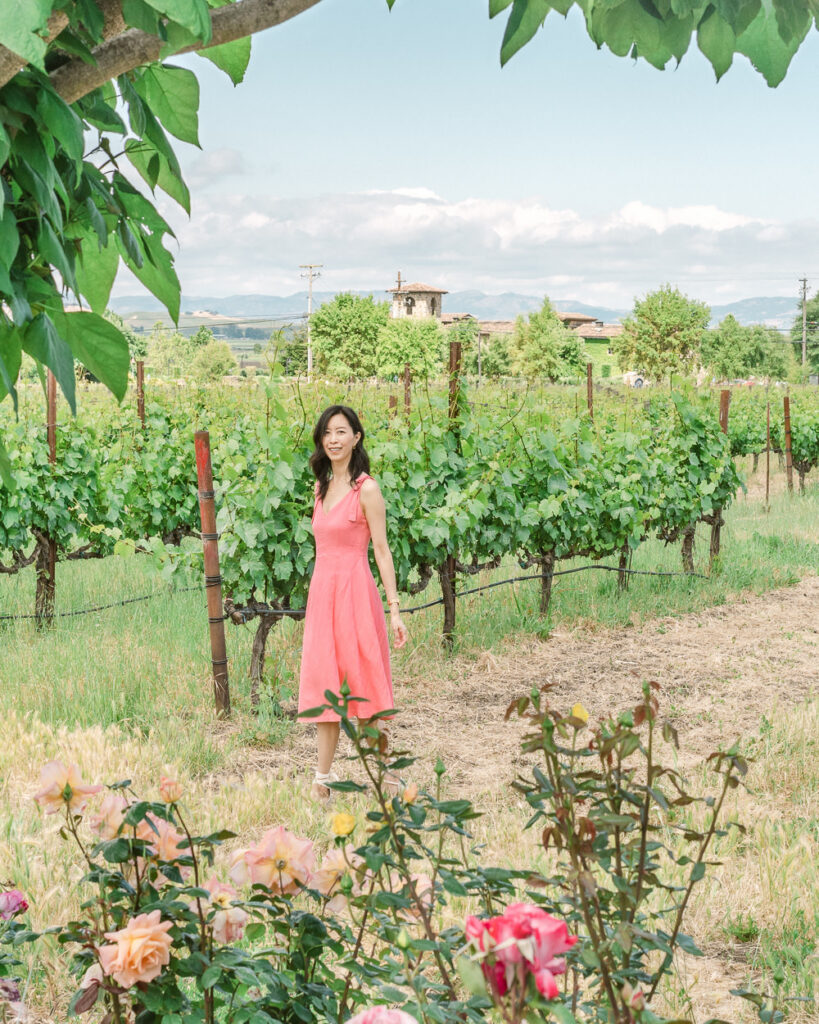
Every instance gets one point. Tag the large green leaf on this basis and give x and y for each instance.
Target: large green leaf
(153, 166)
(232, 58)
(10, 357)
(191, 14)
(95, 271)
(20, 29)
(100, 346)
(9, 237)
(496, 6)
(43, 342)
(63, 124)
(49, 246)
(156, 272)
(716, 40)
(6, 475)
(173, 96)
(762, 43)
(525, 19)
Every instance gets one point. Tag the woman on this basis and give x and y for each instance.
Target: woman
(345, 636)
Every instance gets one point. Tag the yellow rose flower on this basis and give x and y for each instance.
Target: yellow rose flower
(342, 824)
(578, 711)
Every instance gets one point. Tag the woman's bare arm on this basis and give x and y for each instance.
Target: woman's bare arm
(372, 504)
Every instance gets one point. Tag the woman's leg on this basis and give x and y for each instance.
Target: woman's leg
(328, 733)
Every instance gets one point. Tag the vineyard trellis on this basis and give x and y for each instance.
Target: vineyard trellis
(468, 485)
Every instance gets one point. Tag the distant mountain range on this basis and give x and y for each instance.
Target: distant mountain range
(775, 311)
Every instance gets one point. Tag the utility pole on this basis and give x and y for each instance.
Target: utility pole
(804, 282)
(312, 271)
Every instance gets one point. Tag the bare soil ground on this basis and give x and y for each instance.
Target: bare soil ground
(720, 671)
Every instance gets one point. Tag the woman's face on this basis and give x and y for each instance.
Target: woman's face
(339, 440)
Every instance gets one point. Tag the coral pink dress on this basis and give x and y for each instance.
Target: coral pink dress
(345, 633)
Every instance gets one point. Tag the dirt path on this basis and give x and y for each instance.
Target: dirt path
(720, 670)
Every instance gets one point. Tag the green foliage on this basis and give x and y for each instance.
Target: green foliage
(345, 334)
(662, 337)
(543, 347)
(414, 340)
(496, 359)
(213, 361)
(736, 351)
(769, 34)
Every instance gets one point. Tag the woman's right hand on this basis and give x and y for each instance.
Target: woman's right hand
(399, 630)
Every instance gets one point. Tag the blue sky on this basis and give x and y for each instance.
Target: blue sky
(371, 141)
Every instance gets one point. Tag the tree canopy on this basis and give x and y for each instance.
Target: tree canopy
(542, 346)
(736, 350)
(663, 335)
(89, 101)
(345, 334)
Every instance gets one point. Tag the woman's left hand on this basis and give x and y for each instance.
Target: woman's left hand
(399, 631)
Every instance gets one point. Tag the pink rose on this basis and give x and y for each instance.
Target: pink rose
(63, 787)
(522, 941)
(140, 950)
(12, 902)
(382, 1015)
(111, 813)
(228, 922)
(280, 861)
(170, 790)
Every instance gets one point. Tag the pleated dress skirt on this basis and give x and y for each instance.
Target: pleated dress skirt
(345, 633)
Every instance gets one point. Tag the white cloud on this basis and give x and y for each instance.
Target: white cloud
(254, 243)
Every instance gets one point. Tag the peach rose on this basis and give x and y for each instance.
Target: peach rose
(140, 950)
(382, 1015)
(163, 841)
(411, 793)
(280, 861)
(228, 922)
(63, 787)
(170, 790)
(108, 821)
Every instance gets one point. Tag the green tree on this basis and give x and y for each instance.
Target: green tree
(811, 333)
(201, 337)
(663, 335)
(734, 350)
(543, 346)
(496, 360)
(87, 101)
(418, 341)
(212, 361)
(169, 352)
(345, 335)
(137, 343)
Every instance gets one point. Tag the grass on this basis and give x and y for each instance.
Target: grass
(127, 693)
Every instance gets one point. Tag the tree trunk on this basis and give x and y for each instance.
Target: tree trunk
(547, 568)
(688, 549)
(266, 623)
(45, 568)
(756, 462)
(623, 564)
(716, 528)
(446, 576)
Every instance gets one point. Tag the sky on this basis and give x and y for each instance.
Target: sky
(372, 141)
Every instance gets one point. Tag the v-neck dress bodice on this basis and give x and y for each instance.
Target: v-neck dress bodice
(345, 633)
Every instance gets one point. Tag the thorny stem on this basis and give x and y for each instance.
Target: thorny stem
(388, 817)
(709, 835)
(358, 941)
(644, 812)
(203, 931)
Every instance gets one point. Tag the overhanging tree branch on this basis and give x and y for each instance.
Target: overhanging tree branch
(11, 63)
(134, 47)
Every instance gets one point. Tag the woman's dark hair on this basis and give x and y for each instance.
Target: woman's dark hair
(320, 463)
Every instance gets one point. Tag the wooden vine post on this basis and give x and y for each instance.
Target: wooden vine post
(46, 561)
(786, 402)
(140, 391)
(716, 525)
(589, 391)
(767, 456)
(446, 573)
(393, 405)
(407, 389)
(213, 578)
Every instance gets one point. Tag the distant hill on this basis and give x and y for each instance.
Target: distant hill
(776, 311)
